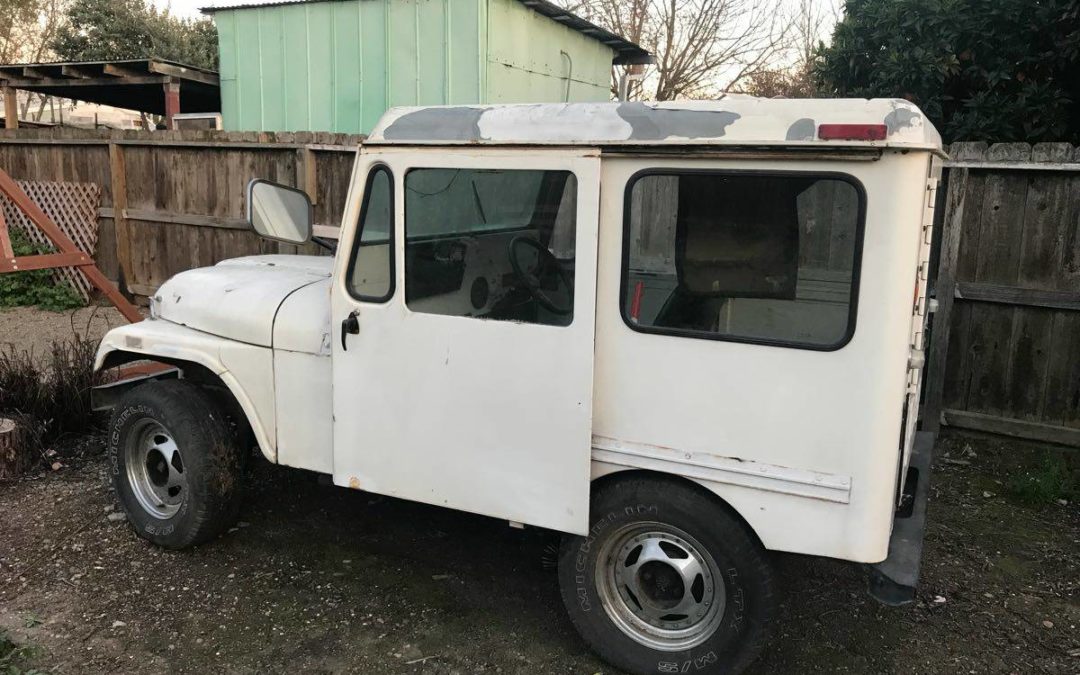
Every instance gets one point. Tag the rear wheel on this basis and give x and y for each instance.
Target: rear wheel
(668, 581)
(176, 465)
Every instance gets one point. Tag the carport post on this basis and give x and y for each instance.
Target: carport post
(11, 109)
(172, 102)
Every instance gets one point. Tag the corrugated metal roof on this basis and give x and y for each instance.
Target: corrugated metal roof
(734, 120)
(626, 52)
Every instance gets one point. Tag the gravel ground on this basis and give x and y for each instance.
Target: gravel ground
(325, 580)
(320, 579)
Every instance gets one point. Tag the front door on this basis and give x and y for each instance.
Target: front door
(463, 322)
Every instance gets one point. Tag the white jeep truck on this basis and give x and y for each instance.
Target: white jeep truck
(684, 335)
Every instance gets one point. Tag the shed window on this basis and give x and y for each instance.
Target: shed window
(749, 257)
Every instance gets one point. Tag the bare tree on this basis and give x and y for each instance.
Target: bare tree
(793, 76)
(26, 28)
(702, 47)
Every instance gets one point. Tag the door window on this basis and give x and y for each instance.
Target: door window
(766, 257)
(491, 244)
(371, 270)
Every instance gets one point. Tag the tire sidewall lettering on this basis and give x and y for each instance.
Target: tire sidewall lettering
(147, 523)
(582, 580)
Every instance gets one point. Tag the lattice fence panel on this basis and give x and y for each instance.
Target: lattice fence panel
(74, 208)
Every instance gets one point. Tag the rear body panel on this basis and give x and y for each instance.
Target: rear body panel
(802, 443)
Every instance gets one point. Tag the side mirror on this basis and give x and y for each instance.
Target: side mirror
(279, 212)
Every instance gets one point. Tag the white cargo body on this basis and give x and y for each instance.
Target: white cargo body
(533, 304)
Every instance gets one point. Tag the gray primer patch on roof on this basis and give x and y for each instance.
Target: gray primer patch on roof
(654, 124)
(444, 124)
(900, 118)
(802, 130)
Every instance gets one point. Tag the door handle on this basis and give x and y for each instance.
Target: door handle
(349, 325)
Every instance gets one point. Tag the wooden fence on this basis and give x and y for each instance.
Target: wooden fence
(1005, 349)
(1005, 346)
(175, 200)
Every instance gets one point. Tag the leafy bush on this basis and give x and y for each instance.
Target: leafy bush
(35, 288)
(104, 30)
(990, 70)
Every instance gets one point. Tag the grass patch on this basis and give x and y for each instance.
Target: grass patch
(1047, 482)
(36, 288)
(48, 398)
(13, 657)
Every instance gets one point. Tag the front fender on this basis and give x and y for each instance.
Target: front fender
(246, 370)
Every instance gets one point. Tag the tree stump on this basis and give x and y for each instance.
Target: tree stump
(11, 460)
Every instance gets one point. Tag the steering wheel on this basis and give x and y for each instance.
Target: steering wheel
(531, 280)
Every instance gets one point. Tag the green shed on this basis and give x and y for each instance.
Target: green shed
(337, 65)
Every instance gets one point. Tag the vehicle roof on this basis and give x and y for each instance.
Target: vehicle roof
(733, 120)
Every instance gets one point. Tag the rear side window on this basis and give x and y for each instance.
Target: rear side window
(751, 257)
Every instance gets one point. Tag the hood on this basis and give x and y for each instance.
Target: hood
(238, 298)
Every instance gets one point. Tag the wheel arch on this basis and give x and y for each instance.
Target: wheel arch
(199, 357)
(616, 474)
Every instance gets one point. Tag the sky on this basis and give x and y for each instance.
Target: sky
(188, 8)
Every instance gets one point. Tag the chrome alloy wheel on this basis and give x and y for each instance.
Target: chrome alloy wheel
(660, 587)
(155, 469)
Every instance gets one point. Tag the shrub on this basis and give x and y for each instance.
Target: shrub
(35, 288)
(48, 398)
(1046, 483)
(988, 70)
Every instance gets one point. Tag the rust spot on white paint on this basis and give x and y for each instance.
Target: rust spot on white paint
(354, 482)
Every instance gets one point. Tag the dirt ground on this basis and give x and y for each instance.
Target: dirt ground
(29, 328)
(318, 579)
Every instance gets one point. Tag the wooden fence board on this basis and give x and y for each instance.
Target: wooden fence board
(1005, 356)
(191, 182)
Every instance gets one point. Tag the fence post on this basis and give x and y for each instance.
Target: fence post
(11, 109)
(118, 181)
(945, 288)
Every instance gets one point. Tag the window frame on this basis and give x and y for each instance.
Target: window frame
(856, 266)
(350, 270)
(457, 235)
(406, 241)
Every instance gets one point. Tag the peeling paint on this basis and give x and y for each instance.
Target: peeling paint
(450, 124)
(730, 121)
(802, 130)
(654, 124)
(901, 118)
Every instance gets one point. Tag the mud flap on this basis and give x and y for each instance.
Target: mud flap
(893, 580)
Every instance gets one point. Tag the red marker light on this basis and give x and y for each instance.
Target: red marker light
(852, 132)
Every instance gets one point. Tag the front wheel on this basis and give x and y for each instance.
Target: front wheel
(668, 581)
(177, 467)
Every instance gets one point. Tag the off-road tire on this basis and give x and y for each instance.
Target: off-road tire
(212, 460)
(742, 563)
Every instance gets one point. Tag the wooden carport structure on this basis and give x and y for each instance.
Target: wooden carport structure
(146, 85)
